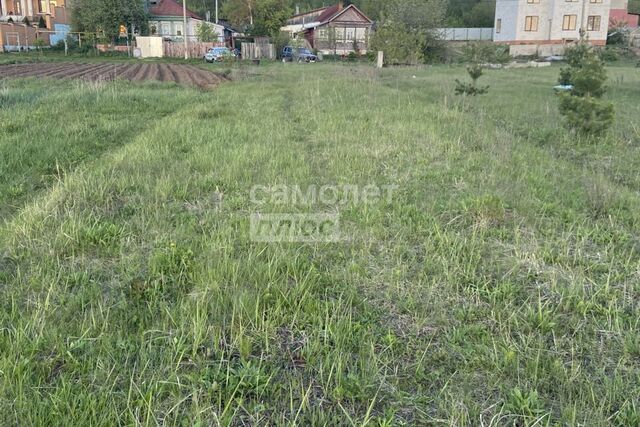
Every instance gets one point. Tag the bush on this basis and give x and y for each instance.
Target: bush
(609, 54)
(583, 109)
(485, 53)
(206, 33)
(619, 34)
(436, 50)
(281, 40)
(400, 45)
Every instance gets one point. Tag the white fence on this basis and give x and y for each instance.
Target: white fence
(466, 34)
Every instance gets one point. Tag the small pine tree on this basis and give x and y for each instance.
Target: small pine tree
(42, 23)
(25, 21)
(475, 72)
(583, 109)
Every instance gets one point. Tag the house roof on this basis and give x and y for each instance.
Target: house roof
(171, 8)
(329, 12)
(340, 11)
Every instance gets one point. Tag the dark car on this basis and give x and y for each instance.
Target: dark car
(299, 54)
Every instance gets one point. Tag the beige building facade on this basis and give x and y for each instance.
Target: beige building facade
(545, 27)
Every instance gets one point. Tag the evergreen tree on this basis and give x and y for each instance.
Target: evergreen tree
(583, 108)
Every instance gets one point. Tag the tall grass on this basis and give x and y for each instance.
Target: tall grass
(498, 286)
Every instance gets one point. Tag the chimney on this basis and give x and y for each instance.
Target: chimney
(340, 5)
(297, 9)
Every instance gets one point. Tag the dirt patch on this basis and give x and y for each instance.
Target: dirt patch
(182, 74)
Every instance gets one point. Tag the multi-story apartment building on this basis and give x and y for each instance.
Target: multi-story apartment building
(544, 27)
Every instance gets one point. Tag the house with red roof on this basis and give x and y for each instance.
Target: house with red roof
(333, 30)
(166, 19)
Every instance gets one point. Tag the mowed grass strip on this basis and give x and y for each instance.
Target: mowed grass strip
(49, 128)
(499, 284)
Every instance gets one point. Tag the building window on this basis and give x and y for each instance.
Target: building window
(593, 23)
(569, 22)
(349, 34)
(339, 35)
(531, 23)
(533, 1)
(571, 1)
(595, 1)
(322, 34)
(498, 26)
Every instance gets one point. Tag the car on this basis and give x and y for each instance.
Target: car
(218, 54)
(299, 54)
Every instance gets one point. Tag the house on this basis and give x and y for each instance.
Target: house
(166, 19)
(619, 14)
(333, 30)
(544, 27)
(17, 10)
(16, 35)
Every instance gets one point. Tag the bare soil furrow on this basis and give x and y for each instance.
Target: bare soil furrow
(181, 74)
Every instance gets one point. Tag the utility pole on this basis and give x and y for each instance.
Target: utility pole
(184, 29)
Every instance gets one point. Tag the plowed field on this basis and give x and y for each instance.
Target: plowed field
(181, 74)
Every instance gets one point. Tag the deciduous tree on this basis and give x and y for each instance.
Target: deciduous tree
(106, 16)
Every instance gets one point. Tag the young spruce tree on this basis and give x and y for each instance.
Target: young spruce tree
(583, 108)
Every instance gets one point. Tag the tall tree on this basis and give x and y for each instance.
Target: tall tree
(106, 16)
(404, 31)
(270, 16)
(239, 12)
(258, 17)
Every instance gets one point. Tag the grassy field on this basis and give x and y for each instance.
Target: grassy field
(500, 285)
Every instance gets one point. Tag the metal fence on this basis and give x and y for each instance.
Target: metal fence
(466, 34)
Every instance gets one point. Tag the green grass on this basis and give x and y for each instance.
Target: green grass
(500, 284)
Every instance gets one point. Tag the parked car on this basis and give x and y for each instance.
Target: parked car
(299, 54)
(218, 54)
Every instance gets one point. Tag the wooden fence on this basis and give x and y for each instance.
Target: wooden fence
(196, 49)
(258, 51)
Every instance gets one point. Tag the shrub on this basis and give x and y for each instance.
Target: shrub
(399, 44)
(609, 54)
(206, 33)
(484, 53)
(583, 109)
(619, 32)
(472, 89)
(281, 40)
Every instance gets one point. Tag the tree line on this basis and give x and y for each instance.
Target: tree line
(265, 17)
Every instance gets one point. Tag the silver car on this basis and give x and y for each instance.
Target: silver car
(217, 54)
